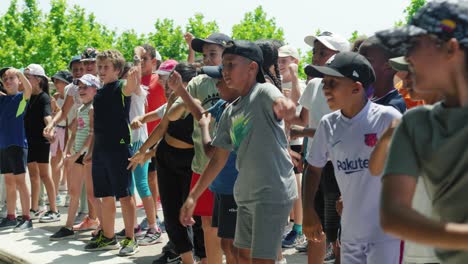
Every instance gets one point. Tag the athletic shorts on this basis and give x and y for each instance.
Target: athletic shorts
(384, 252)
(109, 171)
(39, 153)
(298, 149)
(224, 215)
(325, 202)
(13, 160)
(205, 202)
(59, 142)
(152, 165)
(260, 227)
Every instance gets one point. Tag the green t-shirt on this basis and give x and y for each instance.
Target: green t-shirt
(204, 89)
(432, 142)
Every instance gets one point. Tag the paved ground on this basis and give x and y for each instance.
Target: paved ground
(35, 247)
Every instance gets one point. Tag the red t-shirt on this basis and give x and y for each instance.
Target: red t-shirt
(156, 97)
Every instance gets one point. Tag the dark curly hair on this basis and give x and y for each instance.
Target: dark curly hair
(270, 57)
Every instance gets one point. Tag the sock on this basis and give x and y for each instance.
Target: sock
(26, 218)
(154, 227)
(11, 217)
(298, 229)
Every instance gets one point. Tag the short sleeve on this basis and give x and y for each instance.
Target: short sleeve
(45, 100)
(269, 94)
(402, 157)
(161, 110)
(306, 96)
(317, 152)
(222, 138)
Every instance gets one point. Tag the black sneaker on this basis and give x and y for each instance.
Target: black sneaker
(102, 243)
(63, 233)
(7, 223)
(50, 217)
(168, 257)
(23, 226)
(138, 233)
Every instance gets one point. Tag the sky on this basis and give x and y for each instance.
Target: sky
(298, 18)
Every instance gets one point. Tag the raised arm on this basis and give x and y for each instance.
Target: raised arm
(133, 81)
(26, 85)
(188, 39)
(204, 124)
(176, 84)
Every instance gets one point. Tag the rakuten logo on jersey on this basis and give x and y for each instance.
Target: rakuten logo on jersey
(352, 166)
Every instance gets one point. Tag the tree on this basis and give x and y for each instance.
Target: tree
(413, 7)
(168, 40)
(256, 25)
(199, 28)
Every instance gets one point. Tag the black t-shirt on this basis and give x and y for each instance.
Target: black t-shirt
(111, 117)
(37, 109)
(394, 99)
(182, 129)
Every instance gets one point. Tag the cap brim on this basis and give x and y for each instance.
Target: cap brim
(3, 70)
(397, 40)
(310, 40)
(311, 72)
(58, 78)
(399, 64)
(197, 44)
(88, 59)
(322, 71)
(213, 71)
(162, 72)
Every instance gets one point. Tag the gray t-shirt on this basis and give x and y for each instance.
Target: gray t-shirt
(250, 127)
(431, 142)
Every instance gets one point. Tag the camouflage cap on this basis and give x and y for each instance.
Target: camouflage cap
(446, 20)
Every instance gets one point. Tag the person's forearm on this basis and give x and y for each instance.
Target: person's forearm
(378, 157)
(150, 117)
(206, 140)
(295, 90)
(214, 167)
(155, 136)
(196, 109)
(191, 55)
(311, 182)
(407, 224)
(304, 132)
(26, 85)
(48, 120)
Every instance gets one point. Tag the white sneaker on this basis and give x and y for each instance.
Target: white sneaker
(282, 261)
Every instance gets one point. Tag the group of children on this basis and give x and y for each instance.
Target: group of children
(242, 146)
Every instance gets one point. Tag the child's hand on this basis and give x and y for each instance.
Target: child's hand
(175, 82)
(284, 109)
(295, 132)
(205, 120)
(136, 159)
(49, 131)
(188, 38)
(293, 69)
(186, 212)
(136, 123)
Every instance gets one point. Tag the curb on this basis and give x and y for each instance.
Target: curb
(10, 258)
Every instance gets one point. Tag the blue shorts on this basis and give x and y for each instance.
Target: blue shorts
(109, 172)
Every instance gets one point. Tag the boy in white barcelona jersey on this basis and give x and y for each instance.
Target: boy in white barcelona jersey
(347, 137)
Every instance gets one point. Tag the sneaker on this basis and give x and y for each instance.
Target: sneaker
(63, 188)
(129, 247)
(144, 224)
(79, 218)
(302, 247)
(161, 225)
(138, 233)
(87, 224)
(282, 261)
(330, 256)
(23, 226)
(152, 237)
(59, 201)
(168, 257)
(3, 212)
(35, 214)
(50, 217)
(96, 234)
(63, 233)
(288, 228)
(7, 223)
(292, 239)
(102, 243)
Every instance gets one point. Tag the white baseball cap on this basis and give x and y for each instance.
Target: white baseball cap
(330, 40)
(288, 51)
(36, 70)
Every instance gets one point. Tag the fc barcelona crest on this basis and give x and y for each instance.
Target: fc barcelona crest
(370, 139)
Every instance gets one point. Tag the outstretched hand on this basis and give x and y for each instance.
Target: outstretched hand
(138, 158)
(175, 82)
(188, 38)
(186, 212)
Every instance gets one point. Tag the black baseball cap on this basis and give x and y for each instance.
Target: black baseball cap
(213, 71)
(215, 38)
(89, 54)
(3, 70)
(351, 65)
(247, 50)
(76, 58)
(64, 76)
(445, 20)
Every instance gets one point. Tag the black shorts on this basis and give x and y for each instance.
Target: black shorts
(325, 202)
(152, 165)
(13, 160)
(80, 159)
(224, 215)
(109, 172)
(298, 149)
(38, 153)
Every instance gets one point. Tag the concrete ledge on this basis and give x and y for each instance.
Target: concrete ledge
(10, 258)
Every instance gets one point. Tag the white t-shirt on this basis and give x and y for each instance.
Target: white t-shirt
(161, 110)
(72, 90)
(416, 253)
(302, 85)
(60, 102)
(137, 108)
(348, 143)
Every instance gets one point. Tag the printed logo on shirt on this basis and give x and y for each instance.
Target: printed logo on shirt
(240, 128)
(352, 166)
(370, 139)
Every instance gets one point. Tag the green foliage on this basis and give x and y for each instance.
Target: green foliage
(168, 40)
(256, 25)
(199, 28)
(413, 7)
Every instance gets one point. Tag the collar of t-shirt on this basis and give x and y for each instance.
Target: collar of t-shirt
(391, 93)
(357, 117)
